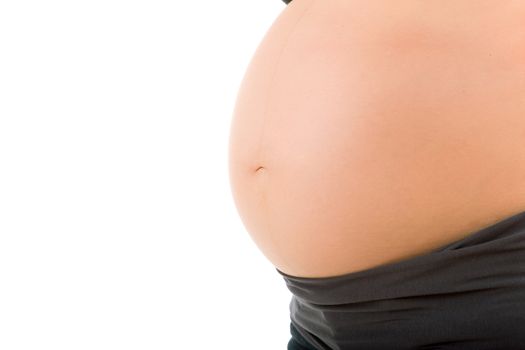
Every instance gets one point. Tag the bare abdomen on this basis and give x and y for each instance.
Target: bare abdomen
(362, 136)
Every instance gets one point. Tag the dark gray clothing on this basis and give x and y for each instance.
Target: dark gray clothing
(469, 294)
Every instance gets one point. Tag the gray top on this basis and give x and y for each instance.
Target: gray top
(469, 294)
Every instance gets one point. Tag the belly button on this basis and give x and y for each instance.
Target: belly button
(259, 169)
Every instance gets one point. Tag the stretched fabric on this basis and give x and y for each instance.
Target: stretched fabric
(469, 294)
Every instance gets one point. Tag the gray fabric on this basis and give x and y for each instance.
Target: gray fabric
(469, 294)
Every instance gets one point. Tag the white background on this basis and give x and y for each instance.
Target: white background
(117, 225)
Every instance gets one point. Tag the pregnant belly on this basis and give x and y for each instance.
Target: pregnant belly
(368, 132)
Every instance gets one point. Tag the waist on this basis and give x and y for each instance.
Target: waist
(470, 291)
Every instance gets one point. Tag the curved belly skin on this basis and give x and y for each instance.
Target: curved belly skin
(368, 132)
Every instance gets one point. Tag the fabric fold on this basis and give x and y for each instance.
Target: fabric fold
(469, 294)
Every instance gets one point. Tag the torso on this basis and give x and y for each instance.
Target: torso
(383, 129)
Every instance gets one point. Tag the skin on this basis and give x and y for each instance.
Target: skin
(366, 133)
